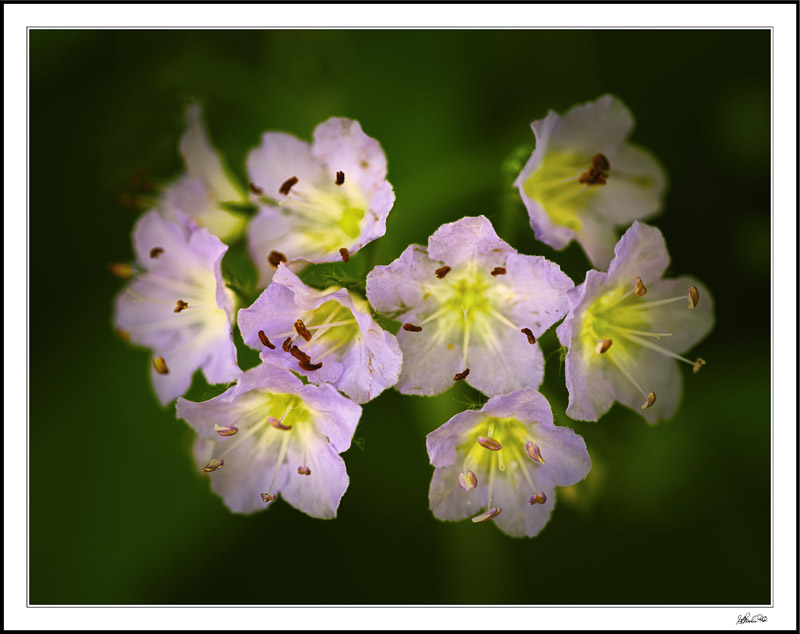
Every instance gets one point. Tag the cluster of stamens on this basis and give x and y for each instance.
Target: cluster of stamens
(599, 326)
(515, 450)
(597, 174)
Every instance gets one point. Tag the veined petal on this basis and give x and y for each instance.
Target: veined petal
(688, 327)
(595, 126)
(429, 363)
(518, 518)
(442, 442)
(448, 502)
(470, 239)
(397, 289)
(337, 416)
(280, 157)
(642, 252)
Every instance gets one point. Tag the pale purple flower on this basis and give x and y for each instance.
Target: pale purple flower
(471, 307)
(584, 178)
(505, 460)
(270, 434)
(328, 336)
(316, 199)
(178, 305)
(627, 329)
(206, 185)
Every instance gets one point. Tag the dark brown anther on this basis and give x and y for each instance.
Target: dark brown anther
(303, 470)
(598, 172)
(301, 329)
(694, 296)
(275, 258)
(412, 328)
(345, 254)
(527, 332)
(287, 185)
(641, 289)
(602, 346)
(539, 498)
(181, 305)
(287, 345)
(308, 366)
(268, 497)
(121, 269)
(256, 189)
(262, 337)
(461, 375)
(160, 365)
(299, 355)
(442, 271)
(498, 270)
(156, 251)
(340, 178)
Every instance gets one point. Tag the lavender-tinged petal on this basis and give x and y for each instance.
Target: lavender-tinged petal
(220, 365)
(540, 288)
(399, 288)
(430, 360)
(518, 518)
(595, 126)
(442, 442)
(182, 360)
(319, 493)
(469, 239)
(219, 410)
(597, 239)
(654, 373)
(341, 145)
(273, 312)
(641, 252)
(271, 230)
(202, 160)
(449, 502)
(590, 394)
(526, 405)
(153, 232)
(634, 190)
(566, 458)
(335, 415)
(503, 361)
(688, 327)
(280, 157)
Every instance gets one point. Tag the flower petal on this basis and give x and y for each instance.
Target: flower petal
(641, 252)
(518, 518)
(688, 327)
(341, 145)
(469, 239)
(448, 502)
(442, 442)
(280, 157)
(397, 290)
(430, 361)
(595, 126)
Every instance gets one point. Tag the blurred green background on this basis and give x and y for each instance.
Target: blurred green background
(678, 513)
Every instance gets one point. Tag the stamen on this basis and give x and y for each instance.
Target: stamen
(652, 346)
(649, 401)
(527, 332)
(442, 271)
(694, 296)
(287, 344)
(268, 497)
(213, 465)
(641, 289)
(461, 375)
(627, 374)
(156, 251)
(412, 328)
(308, 366)
(340, 178)
(275, 258)
(304, 470)
(467, 480)
(539, 498)
(498, 270)
(262, 337)
(226, 431)
(489, 443)
(256, 189)
(344, 253)
(121, 269)
(279, 462)
(491, 513)
(278, 424)
(603, 345)
(181, 305)
(698, 364)
(124, 334)
(299, 354)
(301, 329)
(160, 365)
(287, 185)
(534, 452)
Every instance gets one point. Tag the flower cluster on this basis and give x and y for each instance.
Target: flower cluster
(465, 307)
